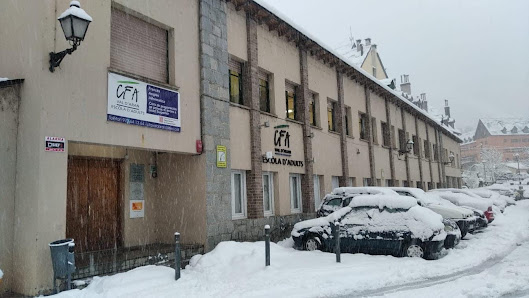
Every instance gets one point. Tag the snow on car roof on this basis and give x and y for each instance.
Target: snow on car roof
(463, 199)
(363, 190)
(383, 201)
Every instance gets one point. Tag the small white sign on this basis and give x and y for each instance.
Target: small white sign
(54, 144)
(136, 191)
(137, 208)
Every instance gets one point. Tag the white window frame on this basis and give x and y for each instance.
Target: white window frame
(298, 187)
(270, 177)
(243, 195)
(317, 190)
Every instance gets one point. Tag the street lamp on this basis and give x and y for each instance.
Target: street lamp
(74, 23)
(409, 147)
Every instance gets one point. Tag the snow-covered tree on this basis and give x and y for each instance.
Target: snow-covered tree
(493, 166)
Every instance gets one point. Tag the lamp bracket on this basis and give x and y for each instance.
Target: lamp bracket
(56, 58)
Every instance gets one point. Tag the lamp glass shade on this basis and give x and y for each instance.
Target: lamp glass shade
(66, 24)
(80, 26)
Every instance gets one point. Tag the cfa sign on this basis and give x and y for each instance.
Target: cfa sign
(134, 102)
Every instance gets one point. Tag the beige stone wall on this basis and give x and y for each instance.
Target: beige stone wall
(9, 102)
(75, 108)
(240, 138)
(236, 23)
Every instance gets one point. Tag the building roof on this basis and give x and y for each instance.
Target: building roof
(506, 126)
(338, 59)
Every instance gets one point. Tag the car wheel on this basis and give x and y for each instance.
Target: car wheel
(312, 243)
(413, 251)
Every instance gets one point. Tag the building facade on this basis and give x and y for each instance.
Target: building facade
(507, 136)
(211, 118)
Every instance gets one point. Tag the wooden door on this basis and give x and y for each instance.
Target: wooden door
(93, 209)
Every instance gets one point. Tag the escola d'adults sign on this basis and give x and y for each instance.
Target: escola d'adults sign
(134, 102)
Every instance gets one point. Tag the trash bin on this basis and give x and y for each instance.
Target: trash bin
(63, 260)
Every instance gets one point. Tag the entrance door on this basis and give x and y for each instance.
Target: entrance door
(92, 203)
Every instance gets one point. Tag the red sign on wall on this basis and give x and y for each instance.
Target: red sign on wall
(199, 146)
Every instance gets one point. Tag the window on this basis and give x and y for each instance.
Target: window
(362, 125)
(295, 193)
(313, 107)
(348, 123)
(367, 181)
(430, 185)
(264, 92)
(389, 183)
(290, 95)
(415, 144)
(458, 162)
(445, 159)
(317, 190)
(435, 152)
(335, 202)
(379, 182)
(386, 137)
(405, 183)
(426, 149)
(236, 87)
(374, 131)
(374, 71)
(393, 139)
(138, 47)
(438, 185)
(238, 194)
(352, 181)
(419, 184)
(335, 182)
(331, 114)
(268, 193)
(453, 162)
(402, 140)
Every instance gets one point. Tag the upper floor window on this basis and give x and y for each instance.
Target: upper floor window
(290, 95)
(348, 123)
(402, 140)
(313, 107)
(415, 144)
(331, 115)
(264, 92)
(386, 137)
(426, 149)
(138, 47)
(374, 131)
(362, 124)
(236, 82)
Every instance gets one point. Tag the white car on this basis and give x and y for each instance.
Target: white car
(464, 217)
(460, 197)
(499, 200)
(341, 197)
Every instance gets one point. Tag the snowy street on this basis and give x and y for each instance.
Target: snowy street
(489, 264)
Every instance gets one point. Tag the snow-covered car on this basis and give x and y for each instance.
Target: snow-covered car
(341, 197)
(376, 224)
(464, 217)
(499, 200)
(498, 206)
(502, 190)
(458, 197)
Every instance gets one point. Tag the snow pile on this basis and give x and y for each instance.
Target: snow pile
(238, 270)
(363, 190)
(4, 79)
(75, 10)
(461, 199)
(383, 201)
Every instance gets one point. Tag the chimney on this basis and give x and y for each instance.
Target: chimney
(405, 84)
(447, 109)
(368, 42)
(424, 102)
(358, 44)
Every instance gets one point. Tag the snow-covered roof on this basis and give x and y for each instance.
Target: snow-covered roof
(355, 55)
(279, 14)
(506, 126)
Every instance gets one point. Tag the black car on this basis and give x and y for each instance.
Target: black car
(391, 225)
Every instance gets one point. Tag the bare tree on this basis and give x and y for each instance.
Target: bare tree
(492, 161)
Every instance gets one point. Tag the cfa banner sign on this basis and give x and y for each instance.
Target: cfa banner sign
(134, 102)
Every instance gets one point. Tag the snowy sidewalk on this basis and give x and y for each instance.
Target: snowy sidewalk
(237, 269)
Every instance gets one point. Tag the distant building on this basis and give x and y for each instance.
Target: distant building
(507, 135)
(365, 55)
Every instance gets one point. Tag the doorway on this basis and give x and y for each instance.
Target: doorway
(93, 203)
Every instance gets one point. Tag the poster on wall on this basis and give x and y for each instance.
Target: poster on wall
(222, 160)
(137, 208)
(54, 144)
(134, 102)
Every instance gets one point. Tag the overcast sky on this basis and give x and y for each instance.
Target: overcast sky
(473, 53)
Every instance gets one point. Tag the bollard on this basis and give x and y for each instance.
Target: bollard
(337, 241)
(267, 245)
(71, 264)
(177, 261)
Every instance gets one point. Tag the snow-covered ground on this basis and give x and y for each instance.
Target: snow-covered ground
(237, 270)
